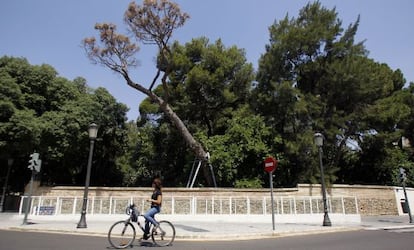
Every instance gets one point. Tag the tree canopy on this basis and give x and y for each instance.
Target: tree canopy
(48, 114)
(315, 77)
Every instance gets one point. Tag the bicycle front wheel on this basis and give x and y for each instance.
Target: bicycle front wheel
(121, 234)
(163, 234)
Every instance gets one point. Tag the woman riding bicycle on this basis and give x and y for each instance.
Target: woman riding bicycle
(156, 201)
(122, 233)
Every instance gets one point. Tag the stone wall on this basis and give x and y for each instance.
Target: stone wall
(371, 200)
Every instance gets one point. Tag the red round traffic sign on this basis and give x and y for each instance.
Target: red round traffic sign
(270, 164)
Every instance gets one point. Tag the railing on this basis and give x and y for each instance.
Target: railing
(192, 205)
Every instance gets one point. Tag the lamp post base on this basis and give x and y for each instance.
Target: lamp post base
(326, 221)
(82, 221)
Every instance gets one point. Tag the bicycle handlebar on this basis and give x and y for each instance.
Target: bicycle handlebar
(133, 212)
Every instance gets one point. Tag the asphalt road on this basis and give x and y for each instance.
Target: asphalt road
(364, 239)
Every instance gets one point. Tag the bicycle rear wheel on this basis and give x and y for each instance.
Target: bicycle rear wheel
(121, 234)
(163, 234)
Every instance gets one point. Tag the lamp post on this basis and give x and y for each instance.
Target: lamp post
(93, 131)
(318, 138)
(6, 182)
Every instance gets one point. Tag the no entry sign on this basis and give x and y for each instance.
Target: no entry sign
(270, 164)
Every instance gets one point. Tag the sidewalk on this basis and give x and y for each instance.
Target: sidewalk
(98, 225)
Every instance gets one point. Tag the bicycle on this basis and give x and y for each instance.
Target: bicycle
(122, 233)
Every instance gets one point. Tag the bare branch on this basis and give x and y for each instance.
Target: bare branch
(113, 50)
(154, 21)
(155, 79)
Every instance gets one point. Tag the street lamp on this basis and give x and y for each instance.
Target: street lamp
(318, 139)
(6, 182)
(93, 131)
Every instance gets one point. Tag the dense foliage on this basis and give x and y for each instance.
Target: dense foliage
(315, 77)
(45, 113)
(312, 77)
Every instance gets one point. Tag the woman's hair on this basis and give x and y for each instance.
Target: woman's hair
(157, 182)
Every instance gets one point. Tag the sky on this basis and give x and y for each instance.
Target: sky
(51, 31)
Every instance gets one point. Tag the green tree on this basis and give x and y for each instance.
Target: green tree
(238, 153)
(381, 150)
(50, 115)
(209, 87)
(135, 163)
(209, 82)
(314, 77)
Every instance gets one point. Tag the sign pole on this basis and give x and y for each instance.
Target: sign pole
(271, 198)
(29, 199)
(35, 165)
(270, 164)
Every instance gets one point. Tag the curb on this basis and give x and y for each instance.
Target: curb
(52, 231)
(214, 237)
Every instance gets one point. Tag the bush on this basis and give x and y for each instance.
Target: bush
(249, 183)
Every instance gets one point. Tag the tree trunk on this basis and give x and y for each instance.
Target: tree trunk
(194, 145)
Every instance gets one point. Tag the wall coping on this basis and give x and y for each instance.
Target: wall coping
(220, 189)
(350, 186)
(178, 189)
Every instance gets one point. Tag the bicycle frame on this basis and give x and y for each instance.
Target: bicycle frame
(142, 226)
(131, 210)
